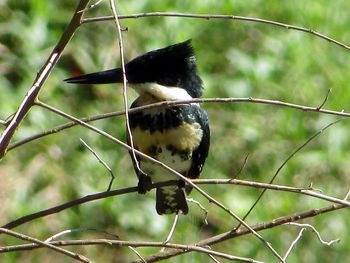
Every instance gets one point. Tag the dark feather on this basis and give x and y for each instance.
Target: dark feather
(174, 65)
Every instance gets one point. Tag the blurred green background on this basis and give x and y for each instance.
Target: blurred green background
(235, 59)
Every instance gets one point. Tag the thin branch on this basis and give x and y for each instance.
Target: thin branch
(327, 243)
(241, 231)
(285, 162)
(125, 87)
(214, 259)
(102, 162)
(228, 17)
(98, 196)
(44, 244)
(171, 232)
(203, 243)
(295, 241)
(78, 230)
(191, 200)
(39, 81)
(180, 176)
(137, 254)
(92, 6)
(325, 99)
(122, 243)
(165, 104)
(243, 165)
(304, 191)
(347, 195)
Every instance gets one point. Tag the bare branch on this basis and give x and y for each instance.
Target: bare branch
(172, 231)
(128, 190)
(292, 245)
(165, 104)
(78, 230)
(325, 99)
(347, 195)
(203, 243)
(92, 6)
(191, 200)
(44, 244)
(304, 191)
(180, 176)
(125, 88)
(285, 162)
(227, 17)
(102, 162)
(39, 81)
(241, 231)
(137, 254)
(119, 243)
(327, 243)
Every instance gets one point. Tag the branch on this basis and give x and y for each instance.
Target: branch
(165, 104)
(241, 231)
(167, 168)
(206, 242)
(227, 17)
(39, 81)
(323, 242)
(121, 243)
(98, 196)
(44, 244)
(285, 162)
(105, 165)
(125, 88)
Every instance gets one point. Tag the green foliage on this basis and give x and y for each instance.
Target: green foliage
(235, 59)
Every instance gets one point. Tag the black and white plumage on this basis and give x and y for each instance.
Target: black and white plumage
(178, 136)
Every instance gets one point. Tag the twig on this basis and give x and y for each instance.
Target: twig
(304, 191)
(102, 162)
(295, 241)
(214, 259)
(172, 231)
(239, 232)
(325, 100)
(229, 17)
(39, 81)
(201, 207)
(347, 195)
(44, 244)
(78, 230)
(180, 176)
(137, 254)
(329, 243)
(180, 247)
(243, 165)
(285, 162)
(203, 243)
(128, 190)
(171, 103)
(125, 88)
(90, 6)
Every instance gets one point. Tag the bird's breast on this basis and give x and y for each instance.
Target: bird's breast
(169, 135)
(181, 139)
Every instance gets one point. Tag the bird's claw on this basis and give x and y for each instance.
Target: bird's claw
(144, 184)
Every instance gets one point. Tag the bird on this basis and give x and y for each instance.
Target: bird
(178, 135)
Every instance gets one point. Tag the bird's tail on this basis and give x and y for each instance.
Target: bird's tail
(171, 199)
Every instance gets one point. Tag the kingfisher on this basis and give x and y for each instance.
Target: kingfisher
(179, 135)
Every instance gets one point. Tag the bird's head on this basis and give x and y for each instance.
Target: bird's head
(172, 66)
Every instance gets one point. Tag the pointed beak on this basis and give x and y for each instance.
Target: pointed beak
(103, 77)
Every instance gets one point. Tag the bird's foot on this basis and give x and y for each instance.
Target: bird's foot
(181, 183)
(145, 184)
